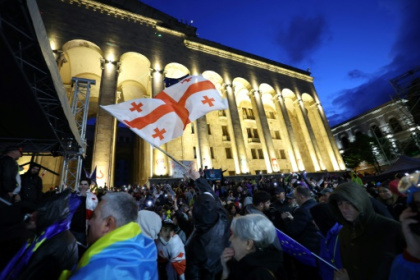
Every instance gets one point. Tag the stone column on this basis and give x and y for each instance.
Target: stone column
(293, 150)
(237, 132)
(264, 131)
(104, 142)
(311, 144)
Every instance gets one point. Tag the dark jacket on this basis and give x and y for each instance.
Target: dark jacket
(302, 228)
(266, 264)
(210, 236)
(58, 251)
(8, 172)
(369, 244)
(31, 190)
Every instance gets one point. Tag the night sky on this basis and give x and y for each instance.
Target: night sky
(353, 48)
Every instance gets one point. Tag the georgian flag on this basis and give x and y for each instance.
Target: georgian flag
(160, 119)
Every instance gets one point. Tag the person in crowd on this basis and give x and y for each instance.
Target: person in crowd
(368, 241)
(260, 203)
(118, 248)
(407, 265)
(88, 203)
(324, 195)
(300, 226)
(251, 255)
(150, 223)
(232, 210)
(394, 202)
(171, 253)
(31, 189)
(211, 233)
(9, 174)
(329, 249)
(52, 249)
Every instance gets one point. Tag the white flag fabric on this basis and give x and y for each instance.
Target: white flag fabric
(160, 119)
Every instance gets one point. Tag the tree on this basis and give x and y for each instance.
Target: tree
(361, 149)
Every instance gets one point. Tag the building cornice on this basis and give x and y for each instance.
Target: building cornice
(245, 60)
(112, 11)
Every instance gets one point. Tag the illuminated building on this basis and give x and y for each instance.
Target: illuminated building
(275, 122)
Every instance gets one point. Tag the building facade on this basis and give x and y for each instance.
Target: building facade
(392, 128)
(275, 122)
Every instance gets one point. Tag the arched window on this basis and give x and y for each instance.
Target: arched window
(395, 125)
(377, 131)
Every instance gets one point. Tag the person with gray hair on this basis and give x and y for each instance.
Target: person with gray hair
(252, 255)
(118, 248)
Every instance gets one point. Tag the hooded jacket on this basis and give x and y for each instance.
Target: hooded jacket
(210, 236)
(369, 244)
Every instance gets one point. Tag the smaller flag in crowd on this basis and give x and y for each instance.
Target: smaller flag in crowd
(160, 119)
(293, 248)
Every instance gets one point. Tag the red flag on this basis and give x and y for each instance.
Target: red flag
(163, 118)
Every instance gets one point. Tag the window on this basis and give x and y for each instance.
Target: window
(272, 116)
(248, 114)
(211, 152)
(225, 133)
(192, 128)
(249, 132)
(222, 113)
(228, 153)
(208, 129)
(275, 134)
(256, 133)
(260, 154)
(282, 154)
(395, 125)
(376, 131)
(195, 152)
(254, 154)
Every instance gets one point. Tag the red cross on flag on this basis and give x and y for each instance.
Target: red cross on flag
(160, 119)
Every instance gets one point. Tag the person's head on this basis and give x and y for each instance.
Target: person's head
(34, 169)
(84, 185)
(350, 202)
(231, 208)
(250, 233)
(261, 200)
(116, 209)
(279, 194)
(13, 152)
(325, 195)
(384, 192)
(167, 231)
(302, 194)
(150, 223)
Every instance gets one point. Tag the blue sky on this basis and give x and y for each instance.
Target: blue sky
(353, 48)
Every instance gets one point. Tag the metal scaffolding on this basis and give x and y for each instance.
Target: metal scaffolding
(72, 165)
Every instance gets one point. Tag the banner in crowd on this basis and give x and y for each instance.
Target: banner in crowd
(213, 174)
(177, 170)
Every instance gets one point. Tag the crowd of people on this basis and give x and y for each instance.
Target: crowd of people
(281, 226)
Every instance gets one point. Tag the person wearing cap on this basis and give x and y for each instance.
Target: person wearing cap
(9, 174)
(171, 253)
(407, 265)
(368, 242)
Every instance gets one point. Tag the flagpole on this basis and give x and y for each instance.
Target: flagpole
(324, 261)
(170, 156)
